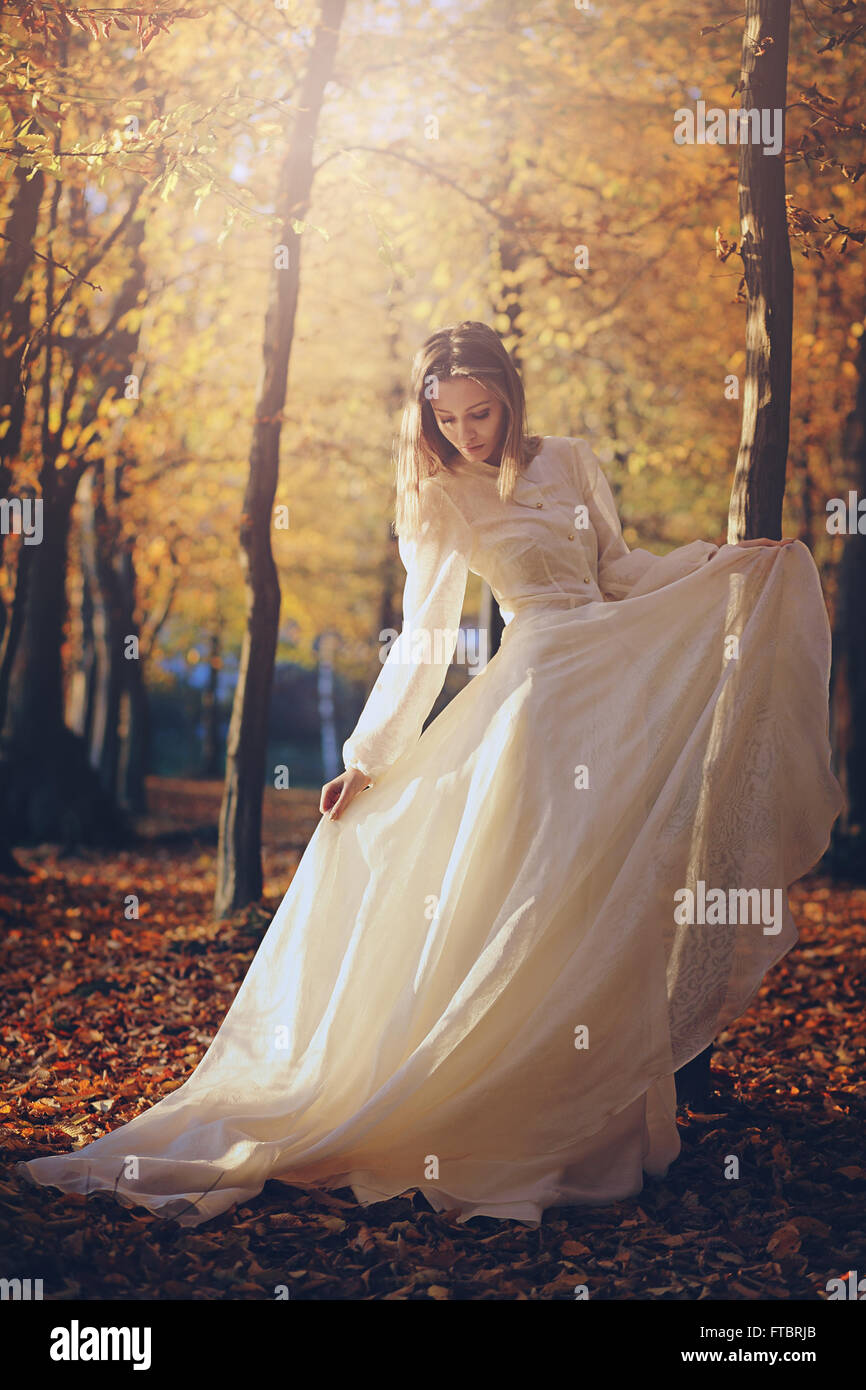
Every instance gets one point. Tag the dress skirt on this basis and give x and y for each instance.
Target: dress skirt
(483, 976)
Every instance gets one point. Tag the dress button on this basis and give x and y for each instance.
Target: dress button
(571, 535)
(587, 579)
(539, 504)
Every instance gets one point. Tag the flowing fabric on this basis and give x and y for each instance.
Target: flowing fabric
(485, 974)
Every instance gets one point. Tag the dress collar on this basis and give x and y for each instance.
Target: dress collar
(526, 493)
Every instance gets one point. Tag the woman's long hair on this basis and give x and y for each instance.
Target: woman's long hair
(470, 350)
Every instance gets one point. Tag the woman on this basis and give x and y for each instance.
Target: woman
(487, 970)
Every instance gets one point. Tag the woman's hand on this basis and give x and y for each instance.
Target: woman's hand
(789, 540)
(337, 793)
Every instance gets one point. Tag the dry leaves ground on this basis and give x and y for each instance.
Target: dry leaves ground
(102, 1016)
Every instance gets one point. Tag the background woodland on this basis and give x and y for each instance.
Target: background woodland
(227, 228)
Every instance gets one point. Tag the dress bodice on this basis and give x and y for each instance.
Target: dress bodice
(539, 546)
(557, 542)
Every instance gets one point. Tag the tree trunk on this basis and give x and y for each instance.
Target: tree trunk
(134, 721)
(36, 681)
(490, 618)
(108, 637)
(210, 752)
(759, 482)
(389, 615)
(507, 302)
(848, 680)
(13, 622)
(15, 316)
(239, 866)
(326, 647)
(19, 234)
(47, 788)
(134, 741)
(49, 791)
(79, 706)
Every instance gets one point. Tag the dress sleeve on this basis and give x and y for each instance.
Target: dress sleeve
(436, 559)
(624, 573)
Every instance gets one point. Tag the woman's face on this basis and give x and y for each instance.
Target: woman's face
(471, 418)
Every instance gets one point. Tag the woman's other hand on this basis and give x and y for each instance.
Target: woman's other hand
(340, 791)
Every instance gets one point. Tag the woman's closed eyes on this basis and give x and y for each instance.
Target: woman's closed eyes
(449, 420)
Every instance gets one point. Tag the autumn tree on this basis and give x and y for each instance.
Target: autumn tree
(80, 357)
(50, 788)
(239, 867)
(759, 481)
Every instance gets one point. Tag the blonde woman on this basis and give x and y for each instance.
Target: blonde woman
(488, 968)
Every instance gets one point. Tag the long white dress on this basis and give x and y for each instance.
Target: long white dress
(480, 983)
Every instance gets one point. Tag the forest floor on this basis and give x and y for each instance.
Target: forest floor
(103, 1016)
